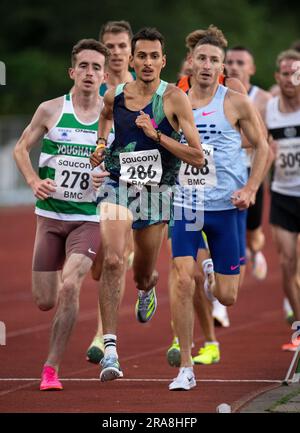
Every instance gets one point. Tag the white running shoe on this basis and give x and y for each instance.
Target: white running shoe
(184, 381)
(111, 369)
(209, 281)
(259, 265)
(220, 314)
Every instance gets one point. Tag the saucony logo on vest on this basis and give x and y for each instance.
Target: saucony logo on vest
(76, 164)
(129, 160)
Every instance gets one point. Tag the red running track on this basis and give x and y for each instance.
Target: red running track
(251, 359)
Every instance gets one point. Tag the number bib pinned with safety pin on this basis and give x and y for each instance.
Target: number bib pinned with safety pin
(199, 177)
(141, 168)
(73, 179)
(287, 165)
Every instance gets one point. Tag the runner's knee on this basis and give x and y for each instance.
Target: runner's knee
(228, 298)
(256, 239)
(69, 292)
(43, 303)
(113, 262)
(184, 286)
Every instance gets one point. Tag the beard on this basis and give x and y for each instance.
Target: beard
(146, 81)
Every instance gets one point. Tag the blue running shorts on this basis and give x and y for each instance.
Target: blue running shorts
(222, 231)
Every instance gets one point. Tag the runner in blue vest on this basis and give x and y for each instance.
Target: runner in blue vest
(219, 114)
(116, 36)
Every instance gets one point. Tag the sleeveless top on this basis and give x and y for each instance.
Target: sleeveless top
(285, 129)
(64, 157)
(224, 171)
(135, 158)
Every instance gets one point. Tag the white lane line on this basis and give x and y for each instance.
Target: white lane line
(28, 385)
(96, 379)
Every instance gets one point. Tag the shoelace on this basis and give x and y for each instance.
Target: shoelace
(144, 298)
(205, 350)
(182, 372)
(50, 375)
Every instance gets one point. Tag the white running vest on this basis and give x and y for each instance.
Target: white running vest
(285, 129)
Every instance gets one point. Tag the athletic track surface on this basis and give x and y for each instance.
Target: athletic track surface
(251, 359)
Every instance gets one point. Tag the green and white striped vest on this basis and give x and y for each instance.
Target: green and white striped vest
(65, 158)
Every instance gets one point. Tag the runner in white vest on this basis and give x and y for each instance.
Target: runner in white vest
(240, 64)
(67, 235)
(283, 122)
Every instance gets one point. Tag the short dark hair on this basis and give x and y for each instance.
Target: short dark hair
(211, 36)
(89, 44)
(115, 27)
(148, 34)
(241, 48)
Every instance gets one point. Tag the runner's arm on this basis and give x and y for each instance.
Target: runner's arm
(29, 139)
(106, 115)
(184, 113)
(235, 84)
(247, 145)
(191, 154)
(255, 134)
(104, 127)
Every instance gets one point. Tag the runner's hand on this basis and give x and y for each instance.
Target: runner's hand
(243, 198)
(98, 177)
(43, 188)
(97, 157)
(143, 121)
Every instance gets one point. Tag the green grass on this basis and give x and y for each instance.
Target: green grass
(284, 400)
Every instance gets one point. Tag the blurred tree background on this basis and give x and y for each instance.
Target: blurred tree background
(37, 37)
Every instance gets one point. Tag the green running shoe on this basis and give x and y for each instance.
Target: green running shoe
(146, 305)
(95, 352)
(173, 354)
(207, 355)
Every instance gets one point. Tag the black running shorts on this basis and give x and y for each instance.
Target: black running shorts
(285, 212)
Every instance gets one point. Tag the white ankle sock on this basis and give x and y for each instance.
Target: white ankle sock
(208, 343)
(110, 345)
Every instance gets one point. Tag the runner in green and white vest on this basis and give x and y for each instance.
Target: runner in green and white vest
(67, 234)
(64, 158)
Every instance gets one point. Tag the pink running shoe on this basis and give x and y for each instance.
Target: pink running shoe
(50, 379)
(292, 346)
